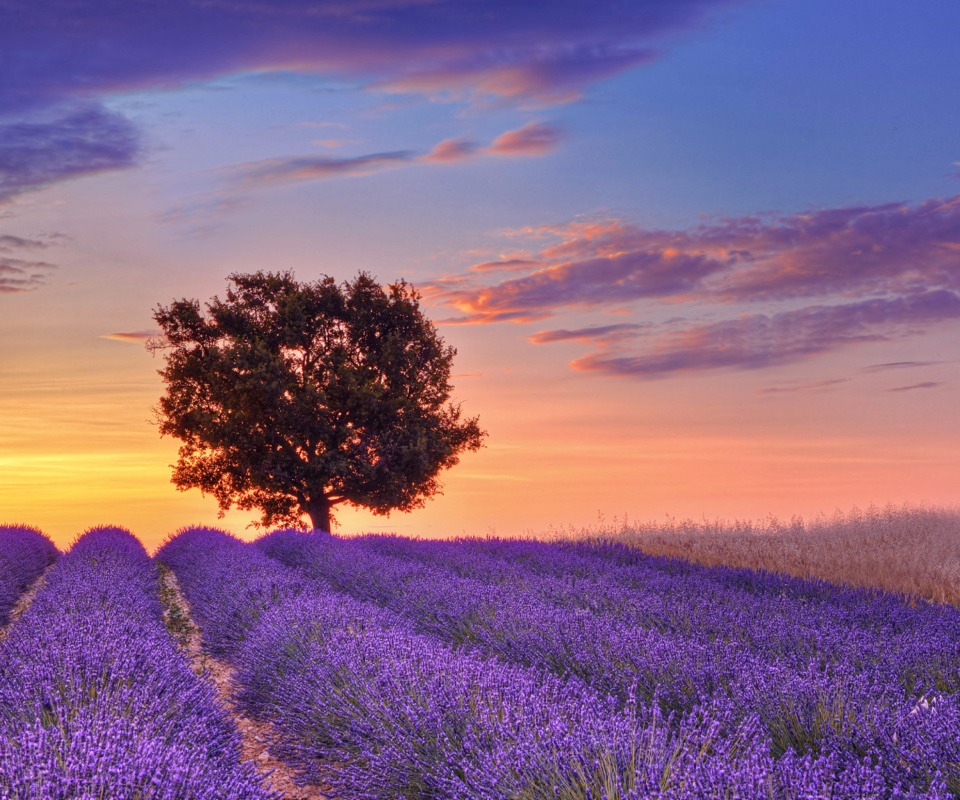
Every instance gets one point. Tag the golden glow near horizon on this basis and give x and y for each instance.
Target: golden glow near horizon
(79, 452)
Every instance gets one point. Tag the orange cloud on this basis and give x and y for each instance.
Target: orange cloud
(450, 150)
(533, 139)
(136, 337)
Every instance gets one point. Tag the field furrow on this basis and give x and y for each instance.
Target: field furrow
(407, 696)
(95, 699)
(25, 554)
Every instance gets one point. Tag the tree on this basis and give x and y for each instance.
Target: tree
(294, 397)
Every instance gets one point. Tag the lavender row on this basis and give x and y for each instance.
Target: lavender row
(794, 623)
(654, 592)
(95, 699)
(761, 615)
(24, 554)
(848, 690)
(372, 709)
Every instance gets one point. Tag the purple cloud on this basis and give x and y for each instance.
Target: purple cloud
(297, 169)
(808, 386)
(203, 211)
(756, 341)
(604, 280)
(924, 385)
(56, 50)
(84, 142)
(533, 139)
(17, 275)
(899, 365)
(858, 250)
(510, 264)
(8, 242)
(59, 55)
(604, 335)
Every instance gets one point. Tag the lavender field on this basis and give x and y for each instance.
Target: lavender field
(385, 667)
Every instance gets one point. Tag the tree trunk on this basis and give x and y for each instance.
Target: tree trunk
(319, 512)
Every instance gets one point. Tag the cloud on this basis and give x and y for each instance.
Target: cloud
(605, 335)
(899, 365)
(136, 337)
(872, 269)
(59, 51)
(506, 264)
(61, 55)
(758, 340)
(204, 211)
(450, 150)
(83, 142)
(8, 242)
(925, 385)
(798, 386)
(297, 169)
(860, 251)
(537, 80)
(17, 275)
(533, 139)
(333, 142)
(591, 282)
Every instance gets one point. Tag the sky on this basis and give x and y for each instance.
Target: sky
(699, 258)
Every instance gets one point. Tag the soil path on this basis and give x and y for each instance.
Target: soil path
(25, 600)
(256, 735)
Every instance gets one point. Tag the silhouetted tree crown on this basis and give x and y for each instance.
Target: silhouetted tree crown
(294, 397)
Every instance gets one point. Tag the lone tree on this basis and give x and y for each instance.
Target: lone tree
(294, 397)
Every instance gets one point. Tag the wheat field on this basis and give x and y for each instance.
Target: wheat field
(914, 550)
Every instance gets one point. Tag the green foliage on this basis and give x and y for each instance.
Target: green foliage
(293, 397)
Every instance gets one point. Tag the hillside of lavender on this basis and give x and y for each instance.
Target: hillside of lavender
(389, 667)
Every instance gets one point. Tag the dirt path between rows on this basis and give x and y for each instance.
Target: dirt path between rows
(25, 600)
(275, 774)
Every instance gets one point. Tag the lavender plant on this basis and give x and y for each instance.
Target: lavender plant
(97, 702)
(828, 671)
(374, 710)
(24, 554)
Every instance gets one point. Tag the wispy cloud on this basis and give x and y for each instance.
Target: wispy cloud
(872, 269)
(297, 169)
(450, 150)
(510, 264)
(84, 142)
(17, 275)
(204, 212)
(760, 340)
(924, 385)
(23, 274)
(134, 337)
(58, 54)
(900, 365)
(8, 243)
(603, 335)
(861, 250)
(533, 139)
(803, 386)
(61, 50)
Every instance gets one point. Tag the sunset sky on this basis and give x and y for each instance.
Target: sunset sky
(697, 257)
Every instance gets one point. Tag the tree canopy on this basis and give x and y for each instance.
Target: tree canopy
(292, 398)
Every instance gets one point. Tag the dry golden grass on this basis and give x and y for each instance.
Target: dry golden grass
(909, 549)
